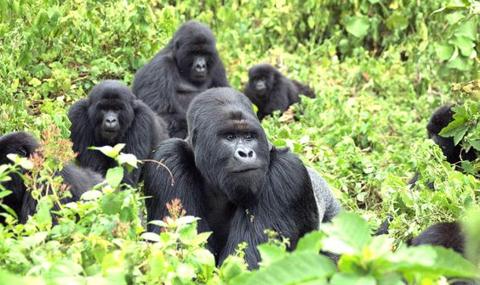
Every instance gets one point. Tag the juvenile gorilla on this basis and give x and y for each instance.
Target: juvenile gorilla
(270, 90)
(228, 174)
(439, 120)
(187, 66)
(111, 115)
(20, 201)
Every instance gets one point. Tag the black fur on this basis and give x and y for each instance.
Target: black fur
(227, 174)
(448, 235)
(271, 91)
(78, 179)
(138, 127)
(167, 83)
(454, 153)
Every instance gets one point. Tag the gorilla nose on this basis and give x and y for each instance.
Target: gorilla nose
(200, 67)
(111, 122)
(245, 154)
(260, 85)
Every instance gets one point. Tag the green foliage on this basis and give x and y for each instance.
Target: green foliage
(379, 68)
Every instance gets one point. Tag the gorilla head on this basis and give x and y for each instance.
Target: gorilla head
(261, 79)
(19, 143)
(439, 120)
(22, 144)
(230, 147)
(195, 52)
(110, 111)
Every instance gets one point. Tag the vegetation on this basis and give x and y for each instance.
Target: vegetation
(379, 67)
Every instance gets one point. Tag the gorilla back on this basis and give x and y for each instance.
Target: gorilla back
(188, 65)
(111, 115)
(227, 173)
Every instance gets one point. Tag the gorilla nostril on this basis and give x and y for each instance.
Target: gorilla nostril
(250, 153)
(242, 154)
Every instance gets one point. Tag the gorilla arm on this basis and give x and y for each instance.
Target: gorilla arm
(156, 85)
(143, 135)
(286, 205)
(181, 180)
(328, 206)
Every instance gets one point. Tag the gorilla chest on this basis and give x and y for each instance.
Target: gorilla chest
(187, 91)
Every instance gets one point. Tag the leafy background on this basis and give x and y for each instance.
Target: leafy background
(379, 68)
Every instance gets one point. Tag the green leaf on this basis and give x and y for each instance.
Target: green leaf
(295, 268)
(271, 253)
(475, 144)
(109, 151)
(444, 51)
(352, 279)
(128, 160)
(357, 26)
(114, 176)
(91, 195)
(312, 242)
(397, 21)
(348, 233)
(150, 237)
(464, 44)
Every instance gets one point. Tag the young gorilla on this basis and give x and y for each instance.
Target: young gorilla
(270, 90)
(439, 120)
(454, 153)
(187, 66)
(228, 174)
(111, 115)
(20, 201)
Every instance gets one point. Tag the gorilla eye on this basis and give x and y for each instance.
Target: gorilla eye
(229, 137)
(249, 136)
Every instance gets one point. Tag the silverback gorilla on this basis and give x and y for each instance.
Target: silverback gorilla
(20, 201)
(187, 66)
(228, 174)
(111, 115)
(271, 91)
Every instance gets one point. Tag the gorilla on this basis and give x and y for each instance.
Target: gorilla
(187, 66)
(454, 153)
(111, 115)
(270, 90)
(327, 205)
(445, 234)
(228, 174)
(20, 201)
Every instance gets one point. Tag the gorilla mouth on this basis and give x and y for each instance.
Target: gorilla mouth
(244, 170)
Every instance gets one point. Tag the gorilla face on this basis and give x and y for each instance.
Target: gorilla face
(19, 143)
(110, 111)
(195, 52)
(230, 147)
(261, 79)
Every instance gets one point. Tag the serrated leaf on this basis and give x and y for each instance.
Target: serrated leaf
(109, 151)
(185, 220)
(397, 21)
(464, 44)
(114, 176)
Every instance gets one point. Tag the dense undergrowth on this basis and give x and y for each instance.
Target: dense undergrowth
(379, 69)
